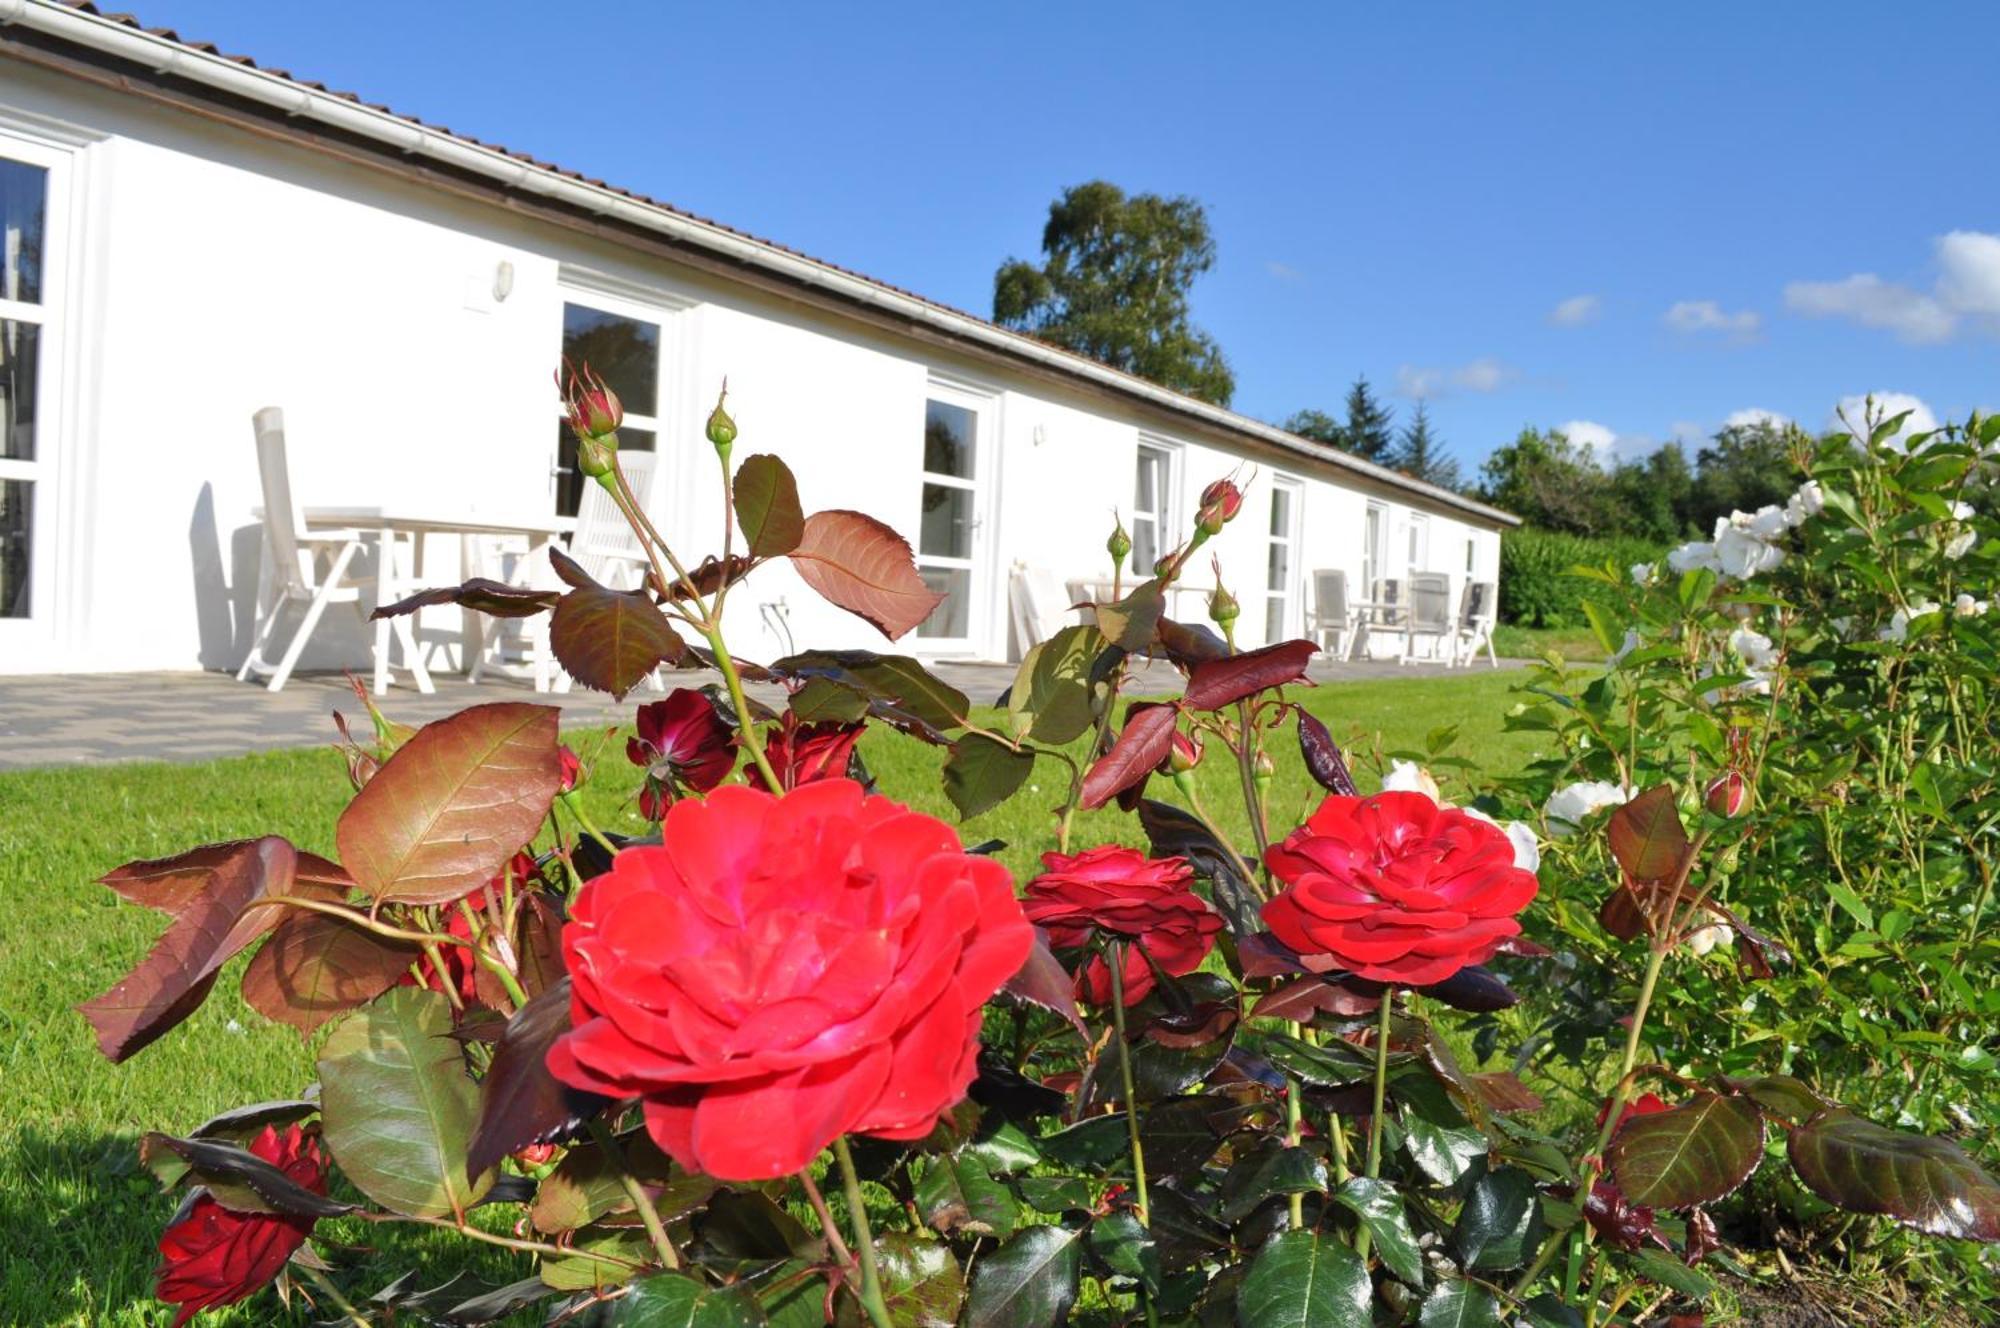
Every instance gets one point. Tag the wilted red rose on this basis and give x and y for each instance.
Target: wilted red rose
(785, 970)
(807, 753)
(1395, 888)
(683, 746)
(1123, 893)
(213, 1256)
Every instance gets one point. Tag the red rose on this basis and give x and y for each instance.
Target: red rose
(807, 753)
(1643, 1105)
(682, 745)
(572, 770)
(785, 970)
(1124, 893)
(213, 1256)
(1395, 888)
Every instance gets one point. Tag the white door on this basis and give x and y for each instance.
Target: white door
(953, 554)
(32, 182)
(1281, 576)
(623, 342)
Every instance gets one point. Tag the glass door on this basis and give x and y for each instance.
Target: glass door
(1281, 562)
(621, 344)
(950, 547)
(30, 309)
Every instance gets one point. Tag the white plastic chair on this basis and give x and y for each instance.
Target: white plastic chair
(1332, 614)
(292, 571)
(1475, 624)
(608, 549)
(1037, 604)
(1429, 614)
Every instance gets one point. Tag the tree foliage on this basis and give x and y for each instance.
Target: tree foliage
(1113, 285)
(1420, 452)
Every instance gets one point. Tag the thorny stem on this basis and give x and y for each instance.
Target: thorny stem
(656, 1230)
(362, 920)
(826, 1223)
(745, 725)
(445, 982)
(332, 1293)
(1114, 957)
(1253, 803)
(1293, 1116)
(864, 1239)
(575, 806)
(642, 525)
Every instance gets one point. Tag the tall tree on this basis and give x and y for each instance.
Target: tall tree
(1420, 452)
(1550, 482)
(1654, 498)
(1318, 426)
(1367, 434)
(1743, 467)
(1113, 285)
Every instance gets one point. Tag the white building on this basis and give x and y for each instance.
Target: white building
(189, 238)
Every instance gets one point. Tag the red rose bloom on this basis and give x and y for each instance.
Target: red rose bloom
(1123, 892)
(807, 753)
(1395, 888)
(782, 971)
(213, 1256)
(682, 745)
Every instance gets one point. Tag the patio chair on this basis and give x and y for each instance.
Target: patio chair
(299, 566)
(1384, 613)
(1429, 615)
(1476, 617)
(607, 548)
(1332, 614)
(1037, 604)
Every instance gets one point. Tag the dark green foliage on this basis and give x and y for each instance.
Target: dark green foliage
(1420, 453)
(1537, 587)
(1113, 285)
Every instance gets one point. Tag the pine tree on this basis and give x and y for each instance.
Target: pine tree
(1318, 426)
(1367, 434)
(1420, 453)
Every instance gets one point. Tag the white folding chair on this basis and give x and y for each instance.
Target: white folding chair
(1429, 614)
(292, 571)
(1037, 604)
(605, 546)
(1332, 615)
(1475, 624)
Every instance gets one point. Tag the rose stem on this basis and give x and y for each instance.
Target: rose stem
(1381, 1082)
(589, 826)
(332, 1293)
(864, 1239)
(1294, 1114)
(1113, 957)
(745, 725)
(826, 1222)
(663, 1245)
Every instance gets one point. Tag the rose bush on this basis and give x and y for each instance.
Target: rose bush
(800, 1056)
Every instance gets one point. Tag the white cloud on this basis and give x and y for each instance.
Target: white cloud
(1606, 445)
(1283, 271)
(1576, 311)
(1484, 374)
(1693, 316)
(1967, 290)
(1737, 419)
(1885, 405)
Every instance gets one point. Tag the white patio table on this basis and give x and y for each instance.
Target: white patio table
(396, 526)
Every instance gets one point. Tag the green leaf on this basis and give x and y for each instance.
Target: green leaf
(1256, 1177)
(1177, 1136)
(1002, 1148)
(767, 506)
(1299, 1280)
(1380, 1208)
(1548, 1311)
(1051, 699)
(898, 689)
(1646, 835)
(1926, 1183)
(1501, 1222)
(1668, 1271)
(443, 815)
(1097, 1143)
(585, 1186)
(1056, 1194)
(1609, 632)
(672, 1300)
(397, 1106)
(1691, 1154)
(1123, 1245)
(957, 1194)
(1442, 1144)
(1331, 1064)
(599, 1257)
(1029, 1282)
(1130, 623)
(1456, 1304)
(822, 700)
(921, 1283)
(1853, 903)
(982, 772)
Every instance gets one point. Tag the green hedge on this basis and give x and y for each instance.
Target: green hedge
(1536, 588)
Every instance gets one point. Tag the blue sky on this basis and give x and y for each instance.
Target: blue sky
(1744, 206)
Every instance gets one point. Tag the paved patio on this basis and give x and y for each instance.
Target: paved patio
(88, 718)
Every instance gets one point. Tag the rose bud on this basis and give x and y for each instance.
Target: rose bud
(592, 407)
(1163, 566)
(571, 771)
(1728, 795)
(1223, 609)
(721, 429)
(1182, 756)
(534, 1156)
(1119, 546)
(1220, 502)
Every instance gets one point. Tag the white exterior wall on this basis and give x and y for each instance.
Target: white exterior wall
(217, 272)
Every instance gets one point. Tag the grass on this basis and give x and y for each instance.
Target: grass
(1574, 644)
(78, 1218)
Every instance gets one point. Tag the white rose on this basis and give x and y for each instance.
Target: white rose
(1527, 850)
(1570, 804)
(1961, 511)
(1960, 544)
(1707, 938)
(1642, 573)
(1409, 777)
(1688, 557)
(1808, 501)
(1741, 554)
(1965, 606)
(1899, 621)
(1768, 522)
(1755, 648)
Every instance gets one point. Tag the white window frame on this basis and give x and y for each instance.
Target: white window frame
(1420, 543)
(1374, 547)
(980, 615)
(54, 577)
(646, 304)
(1288, 594)
(1163, 522)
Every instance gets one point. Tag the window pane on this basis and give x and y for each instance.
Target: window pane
(23, 210)
(953, 618)
(624, 352)
(570, 480)
(950, 433)
(946, 531)
(16, 533)
(1152, 468)
(1274, 619)
(1278, 567)
(1145, 546)
(18, 345)
(1281, 512)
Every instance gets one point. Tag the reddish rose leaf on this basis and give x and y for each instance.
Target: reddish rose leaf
(858, 564)
(240, 1180)
(520, 1102)
(495, 598)
(1627, 912)
(1922, 1182)
(1473, 988)
(1322, 754)
(569, 569)
(1265, 956)
(316, 965)
(1045, 982)
(1691, 1154)
(1223, 682)
(612, 639)
(1503, 1091)
(209, 891)
(1187, 645)
(445, 813)
(1299, 1001)
(1646, 835)
(710, 575)
(767, 506)
(1143, 744)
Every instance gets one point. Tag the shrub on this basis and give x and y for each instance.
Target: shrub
(1539, 586)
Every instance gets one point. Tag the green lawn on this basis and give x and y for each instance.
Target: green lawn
(78, 1218)
(1574, 644)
